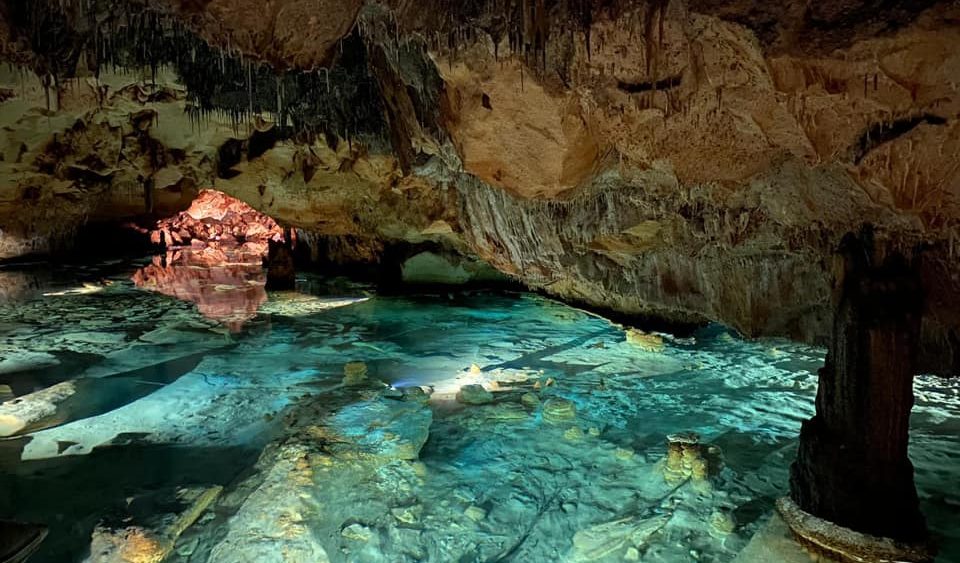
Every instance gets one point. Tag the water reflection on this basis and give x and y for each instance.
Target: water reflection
(226, 284)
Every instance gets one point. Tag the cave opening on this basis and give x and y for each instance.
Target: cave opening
(537, 280)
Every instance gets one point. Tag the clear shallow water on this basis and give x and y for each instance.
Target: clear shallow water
(167, 397)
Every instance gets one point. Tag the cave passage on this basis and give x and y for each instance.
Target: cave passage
(301, 281)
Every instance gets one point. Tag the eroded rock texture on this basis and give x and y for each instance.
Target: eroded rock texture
(689, 160)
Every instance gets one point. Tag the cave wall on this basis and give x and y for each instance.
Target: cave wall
(688, 160)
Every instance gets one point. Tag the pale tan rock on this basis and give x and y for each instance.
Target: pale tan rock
(602, 540)
(722, 523)
(475, 513)
(645, 341)
(21, 412)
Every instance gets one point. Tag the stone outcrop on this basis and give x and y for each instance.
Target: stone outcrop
(692, 161)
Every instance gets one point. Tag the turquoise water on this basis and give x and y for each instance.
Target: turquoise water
(169, 394)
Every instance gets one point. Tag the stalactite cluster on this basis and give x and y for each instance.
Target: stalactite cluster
(74, 38)
(531, 29)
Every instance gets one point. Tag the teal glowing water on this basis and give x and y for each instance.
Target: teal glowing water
(167, 397)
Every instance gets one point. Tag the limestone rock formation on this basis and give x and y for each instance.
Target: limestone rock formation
(685, 160)
(557, 410)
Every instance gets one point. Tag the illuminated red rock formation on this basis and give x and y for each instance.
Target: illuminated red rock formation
(217, 219)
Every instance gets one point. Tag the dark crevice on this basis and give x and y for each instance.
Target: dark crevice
(663, 84)
(884, 132)
(228, 156)
(262, 141)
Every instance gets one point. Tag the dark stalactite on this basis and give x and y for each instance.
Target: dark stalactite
(852, 466)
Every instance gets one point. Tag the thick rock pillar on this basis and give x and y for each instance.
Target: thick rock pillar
(852, 467)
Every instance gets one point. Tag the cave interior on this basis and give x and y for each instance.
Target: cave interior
(312, 281)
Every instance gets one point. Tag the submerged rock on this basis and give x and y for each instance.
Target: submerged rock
(557, 409)
(530, 400)
(474, 394)
(151, 540)
(380, 428)
(416, 393)
(773, 542)
(270, 526)
(722, 523)
(408, 514)
(605, 539)
(503, 412)
(357, 532)
(645, 341)
(354, 373)
(475, 513)
(685, 458)
(19, 413)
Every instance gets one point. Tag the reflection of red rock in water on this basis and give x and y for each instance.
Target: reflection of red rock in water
(218, 220)
(215, 257)
(226, 285)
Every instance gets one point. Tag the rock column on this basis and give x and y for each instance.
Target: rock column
(281, 273)
(852, 467)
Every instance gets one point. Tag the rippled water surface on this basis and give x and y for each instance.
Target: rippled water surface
(169, 398)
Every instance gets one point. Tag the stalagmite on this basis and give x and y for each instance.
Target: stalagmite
(852, 467)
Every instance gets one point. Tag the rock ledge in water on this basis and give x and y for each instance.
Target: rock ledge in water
(844, 544)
